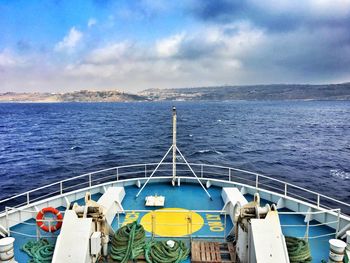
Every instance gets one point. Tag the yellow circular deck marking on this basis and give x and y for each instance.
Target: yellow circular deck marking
(174, 222)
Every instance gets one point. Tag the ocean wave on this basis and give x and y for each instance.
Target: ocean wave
(337, 173)
(76, 148)
(207, 151)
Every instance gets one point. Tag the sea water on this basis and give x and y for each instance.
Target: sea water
(303, 142)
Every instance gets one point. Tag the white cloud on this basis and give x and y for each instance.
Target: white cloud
(232, 53)
(8, 59)
(309, 10)
(109, 53)
(329, 8)
(236, 53)
(90, 70)
(92, 22)
(207, 57)
(169, 46)
(70, 41)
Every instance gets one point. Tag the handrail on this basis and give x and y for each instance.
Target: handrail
(146, 167)
(190, 234)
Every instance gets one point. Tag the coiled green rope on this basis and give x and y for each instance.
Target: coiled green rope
(128, 242)
(298, 250)
(160, 252)
(41, 251)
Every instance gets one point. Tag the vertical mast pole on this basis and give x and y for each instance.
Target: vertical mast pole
(174, 146)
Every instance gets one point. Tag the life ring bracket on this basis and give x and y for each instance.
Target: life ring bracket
(40, 221)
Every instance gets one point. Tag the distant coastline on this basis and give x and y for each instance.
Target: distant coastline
(218, 93)
(75, 96)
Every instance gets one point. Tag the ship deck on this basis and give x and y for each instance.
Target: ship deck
(205, 224)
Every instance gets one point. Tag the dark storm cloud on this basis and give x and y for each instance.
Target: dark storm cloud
(195, 48)
(220, 10)
(309, 39)
(225, 11)
(282, 17)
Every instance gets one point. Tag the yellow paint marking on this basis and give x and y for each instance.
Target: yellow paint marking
(176, 222)
(213, 217)
(214, 222)
(130, 217)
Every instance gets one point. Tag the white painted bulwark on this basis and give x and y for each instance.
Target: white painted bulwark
(73, 243)
(267, 240)
(15, 215)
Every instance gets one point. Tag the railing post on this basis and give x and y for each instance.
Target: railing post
(118, 225)
(117, 174)
(7, 221)
(152, 223)
(191, 226)
(145, 170)
(225, 227)
(28, 200)
(90, 180)
(307, 229)
(285, 189)
(187, 225)
(229, 174)
(318, 200)
(61, 187)
(37, 233)
(202, 170)
(338, 224)
(257, 181)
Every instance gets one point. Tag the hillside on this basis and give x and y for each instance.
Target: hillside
(76, 96)
(99, 96)
(256, 92)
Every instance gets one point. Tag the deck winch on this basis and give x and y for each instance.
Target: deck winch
(258, 233)
(85, 230)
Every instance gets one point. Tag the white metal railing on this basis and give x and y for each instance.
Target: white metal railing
(220, 216)
(47, 221)
(153, 225)
(307, 226)
(256, 180)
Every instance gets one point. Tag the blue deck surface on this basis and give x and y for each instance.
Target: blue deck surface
(188, 196)
(191, 197)
(29, 227)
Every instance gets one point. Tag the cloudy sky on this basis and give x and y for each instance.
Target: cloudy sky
(134, 45)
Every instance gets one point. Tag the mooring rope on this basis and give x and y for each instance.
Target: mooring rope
(40, 251)
(298, 250)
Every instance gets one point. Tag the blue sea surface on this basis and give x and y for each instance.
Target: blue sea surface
(303, 142)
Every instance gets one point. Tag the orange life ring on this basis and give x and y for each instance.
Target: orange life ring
(40, 216)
